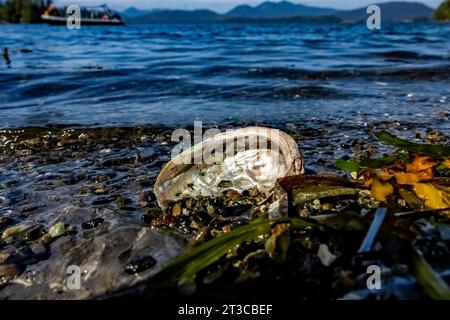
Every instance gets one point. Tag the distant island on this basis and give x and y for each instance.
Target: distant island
(26, 11)
(283, 11)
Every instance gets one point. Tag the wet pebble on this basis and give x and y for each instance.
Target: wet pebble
(123, 203)
(13, 230)
(233, 211)
(117, 161)
(4, 256)
(157, 223)
(140, 264)
(100, 191)
(107, 175)
(32, 233)
(91, 224)
(46, 239)
(176, 210)
(231, 194)
(146, 198)
(38, 248)
(29, 208)
(145, 182)
(444, 230)
(151, 215)
(102, 200)
(5, 221)
(325, 256)
(9, 271)
(253, 192)
(73, 179)
(57, 230)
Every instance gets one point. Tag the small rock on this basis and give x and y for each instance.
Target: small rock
(210, 209)
(176, 210)
(231, 194)
(122, 202)
(9, 271)
(146, 219)
(303, 213)
(32, 233)
(14, 229)
(187, 288)
(146, 198)
(70, 229)
(156, 223)
(91, 224)
(5, 221)
(140, 265)
(102, 200)
(151, 214)
(316, 204)
(226, 228)
(444, 230)
(325, 256)
(38, 248)
(46, 239)
(73, 179)
(29, 208)
(57, 230)
(253, 192)
(4, 256)
(233, 211)
(100, 191)
(117, 161)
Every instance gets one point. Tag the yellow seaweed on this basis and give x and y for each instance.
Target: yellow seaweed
(434, 197)
(380, 190)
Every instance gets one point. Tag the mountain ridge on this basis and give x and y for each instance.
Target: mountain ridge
(281, 11)
(391, 11)
(274, 10)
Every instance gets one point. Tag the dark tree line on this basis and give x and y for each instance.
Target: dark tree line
(23, 10)
(443, 12)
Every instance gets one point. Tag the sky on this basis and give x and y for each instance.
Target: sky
(225, 5)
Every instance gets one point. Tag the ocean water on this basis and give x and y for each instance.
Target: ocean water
(216, 73)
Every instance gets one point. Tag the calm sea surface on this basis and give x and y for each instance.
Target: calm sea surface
(175, 74)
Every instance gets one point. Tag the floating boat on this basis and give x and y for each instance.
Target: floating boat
(91, 16)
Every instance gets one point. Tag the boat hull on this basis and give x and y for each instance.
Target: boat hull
(59, 21)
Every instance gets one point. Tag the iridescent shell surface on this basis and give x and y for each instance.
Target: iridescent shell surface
(239, 159)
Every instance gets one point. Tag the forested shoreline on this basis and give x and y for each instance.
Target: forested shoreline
(23, 11)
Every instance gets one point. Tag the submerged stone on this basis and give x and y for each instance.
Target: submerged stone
(91, 224)
(57, 230)
(140, 264)
(8, 271)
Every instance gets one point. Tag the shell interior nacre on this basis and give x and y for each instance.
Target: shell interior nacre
(241, 159)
